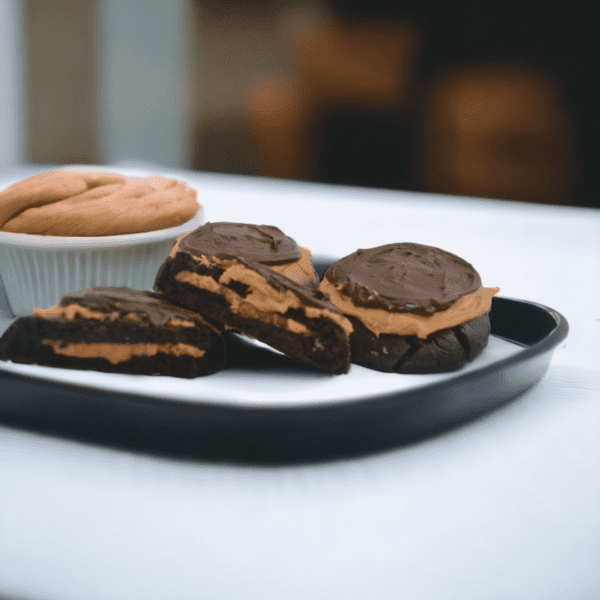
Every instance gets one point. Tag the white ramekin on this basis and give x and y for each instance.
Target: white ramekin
(38, 270)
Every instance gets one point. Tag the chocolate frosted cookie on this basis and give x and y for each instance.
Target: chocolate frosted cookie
(413, 308)
(116, 330)
(225, 272)
(264, 244)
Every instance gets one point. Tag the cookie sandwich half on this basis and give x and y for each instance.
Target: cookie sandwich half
(116, 330)
(251, 279)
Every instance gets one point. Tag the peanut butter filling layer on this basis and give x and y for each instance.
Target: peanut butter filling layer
(262, 299)
(75, 310)
(175, 248)
(381, 321)
(117, 353)
(91, 203)
(72, 311)
(301, 271)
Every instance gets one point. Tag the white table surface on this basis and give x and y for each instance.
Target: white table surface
(507, 507)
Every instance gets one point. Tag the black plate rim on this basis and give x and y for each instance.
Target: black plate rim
(220, 432)
(547, 344)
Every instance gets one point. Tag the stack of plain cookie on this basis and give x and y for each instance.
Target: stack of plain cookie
(93, 203)
(403, 308)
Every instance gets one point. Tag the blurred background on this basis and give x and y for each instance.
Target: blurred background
(475, 99)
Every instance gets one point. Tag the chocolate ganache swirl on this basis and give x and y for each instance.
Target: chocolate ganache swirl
(259, 243)
(404, 278)
(308, 296)
(151, 306)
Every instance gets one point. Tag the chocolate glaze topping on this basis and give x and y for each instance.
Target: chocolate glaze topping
(308, 296)
(261, 243)
(404, 278)
(151, 306)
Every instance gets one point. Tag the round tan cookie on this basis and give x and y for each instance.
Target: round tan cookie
(93, 203)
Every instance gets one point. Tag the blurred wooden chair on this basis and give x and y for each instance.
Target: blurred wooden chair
(498, 130)
(361, 101)
(337, 67)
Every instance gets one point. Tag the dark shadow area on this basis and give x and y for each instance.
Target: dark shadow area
(475, 99)
(218, 432)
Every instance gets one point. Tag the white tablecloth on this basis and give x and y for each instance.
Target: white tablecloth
(506, 507)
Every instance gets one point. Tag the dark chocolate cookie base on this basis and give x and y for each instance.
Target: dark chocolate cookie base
(325, 347)
(442, 351)
(22, 343)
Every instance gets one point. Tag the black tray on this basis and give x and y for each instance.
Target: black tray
(320, 431)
